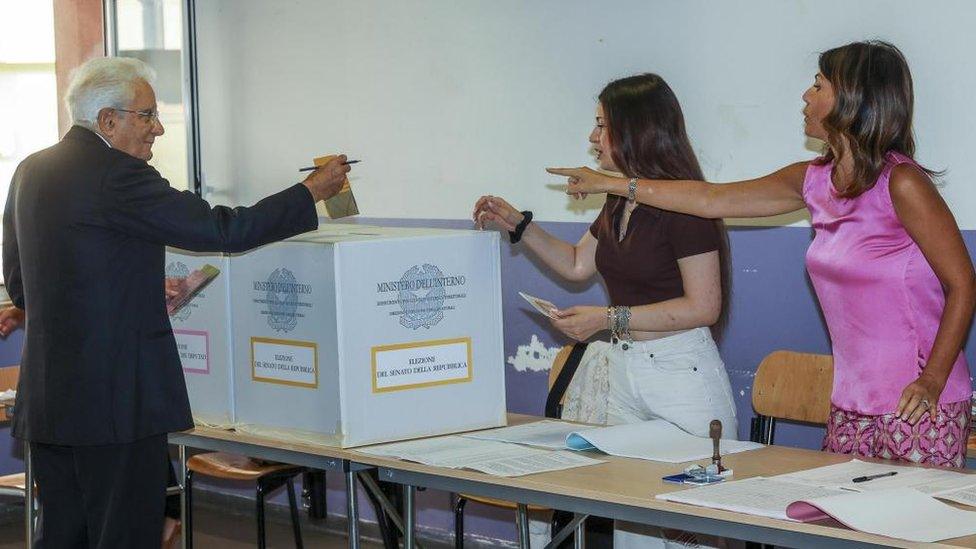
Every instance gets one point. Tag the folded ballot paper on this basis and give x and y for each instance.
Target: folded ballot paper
(655, 440)
(903, 513)
(190, 286)
(343, 204)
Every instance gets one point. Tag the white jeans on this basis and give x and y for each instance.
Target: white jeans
(680, 379)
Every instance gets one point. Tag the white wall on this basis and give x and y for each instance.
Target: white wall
(445, 101)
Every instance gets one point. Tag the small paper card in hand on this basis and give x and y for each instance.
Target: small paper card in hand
(190, 286)
(343, 204)
(541, 305)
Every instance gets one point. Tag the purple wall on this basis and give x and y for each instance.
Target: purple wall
(773, 307)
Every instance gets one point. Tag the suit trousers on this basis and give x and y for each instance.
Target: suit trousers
(101, 497)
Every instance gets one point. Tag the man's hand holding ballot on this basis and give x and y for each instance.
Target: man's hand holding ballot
(326, 181)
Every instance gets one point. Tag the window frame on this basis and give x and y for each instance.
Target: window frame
(191, 98)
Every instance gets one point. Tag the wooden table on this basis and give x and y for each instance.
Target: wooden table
(624, 489)
(621, 488)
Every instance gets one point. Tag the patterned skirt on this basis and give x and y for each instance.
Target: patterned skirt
(941, 442)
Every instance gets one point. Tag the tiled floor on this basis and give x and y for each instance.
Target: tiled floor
(217, 530)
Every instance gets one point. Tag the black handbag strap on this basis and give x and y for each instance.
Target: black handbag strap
(558, 389)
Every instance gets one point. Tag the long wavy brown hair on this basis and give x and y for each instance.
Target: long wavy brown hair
(649, 140)
(872, 113)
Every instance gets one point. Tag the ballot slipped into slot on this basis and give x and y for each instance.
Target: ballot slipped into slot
(343, 204)
(190, 286)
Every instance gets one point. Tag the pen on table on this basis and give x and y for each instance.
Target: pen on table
(872, 477)
(310, 168)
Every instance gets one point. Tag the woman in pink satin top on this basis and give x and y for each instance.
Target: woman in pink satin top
(888, 263)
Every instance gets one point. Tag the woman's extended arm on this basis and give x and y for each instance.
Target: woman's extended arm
(777, 193)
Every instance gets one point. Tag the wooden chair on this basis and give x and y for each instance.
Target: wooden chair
(268, 476)
(14, 485)
(521, 510)
(791, 386)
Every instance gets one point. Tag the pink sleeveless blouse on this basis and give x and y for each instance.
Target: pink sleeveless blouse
(880, 298)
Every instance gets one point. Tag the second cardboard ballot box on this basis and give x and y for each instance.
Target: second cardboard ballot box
(202, 328)
(354, 335)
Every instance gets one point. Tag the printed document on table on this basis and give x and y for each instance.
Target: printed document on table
(902, 513)
(756, 496)
(547, 433)
(965, 496)
(488, 456)
(655, 440)
(925, 480)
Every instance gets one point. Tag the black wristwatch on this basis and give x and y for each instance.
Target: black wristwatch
(516, 235)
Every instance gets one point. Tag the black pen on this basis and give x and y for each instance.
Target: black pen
(310, 168)
(872, 477)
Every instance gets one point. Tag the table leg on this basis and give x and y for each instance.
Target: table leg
(29, 513)
(579, 541)
(352, 510)
(409, 517)
(181, 453)
(522, 519)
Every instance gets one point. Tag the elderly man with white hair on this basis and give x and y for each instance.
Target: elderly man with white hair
(84, 234)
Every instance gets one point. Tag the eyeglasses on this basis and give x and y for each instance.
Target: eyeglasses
(149, 115)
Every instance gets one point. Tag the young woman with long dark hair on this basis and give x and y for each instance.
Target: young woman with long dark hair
(663, 270)
(665, 273)
(887, 262)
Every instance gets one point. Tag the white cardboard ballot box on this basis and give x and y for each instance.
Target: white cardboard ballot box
(354, 335)
(202, 328)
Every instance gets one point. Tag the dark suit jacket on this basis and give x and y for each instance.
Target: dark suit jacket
(84, 236)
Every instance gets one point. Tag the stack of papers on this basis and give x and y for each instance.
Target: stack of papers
(899, 506)
(487, 456)
(655, 440)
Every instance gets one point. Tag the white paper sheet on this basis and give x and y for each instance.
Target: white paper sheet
(756, 496)
(546, 434)
(655, 440)
(488, 456)
(840, 474)
(925, 480)
(901, 513)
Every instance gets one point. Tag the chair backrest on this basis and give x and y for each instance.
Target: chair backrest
(563, 369)
(8, 377)
(558, 363)
(794, 386)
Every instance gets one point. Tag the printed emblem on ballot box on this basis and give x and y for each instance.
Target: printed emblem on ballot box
(178, 269)
(420, 300)
(422, 295)
(282, 300)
